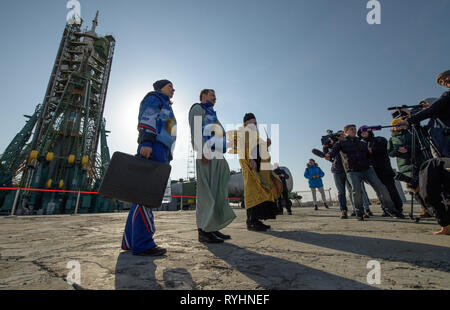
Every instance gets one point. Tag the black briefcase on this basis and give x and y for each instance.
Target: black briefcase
(137, 180)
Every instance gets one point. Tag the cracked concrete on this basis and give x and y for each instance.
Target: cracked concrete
(308, 250)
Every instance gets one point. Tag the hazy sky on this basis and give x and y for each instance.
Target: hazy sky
(307, 65)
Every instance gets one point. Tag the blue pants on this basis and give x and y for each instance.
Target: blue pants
(339, 180)
(140, 227)
(356, 177)
(365, 197)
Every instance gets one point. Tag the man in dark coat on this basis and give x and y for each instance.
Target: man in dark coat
(355, 159)
(340, 178)
(439, 113)
(434, 191)
(379, 157)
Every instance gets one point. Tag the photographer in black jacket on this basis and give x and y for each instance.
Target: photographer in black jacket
(434, 177)
(439, 112)
(355, 159)
(339, 175)
(379, 157)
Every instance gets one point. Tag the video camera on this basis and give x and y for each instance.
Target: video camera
(401, 111)
(330, 137)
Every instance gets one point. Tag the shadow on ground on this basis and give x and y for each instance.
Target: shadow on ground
(273, 273)
(419, 254)
(135, 272)
(139, 273)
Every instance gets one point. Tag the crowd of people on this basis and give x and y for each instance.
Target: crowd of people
(358, 156)
(422, 155)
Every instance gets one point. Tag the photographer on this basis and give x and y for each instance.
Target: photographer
(434, 190)
(356, 162)
(378, 154)
(338, 173)
(400, 146)
(439, 112)
(340, 178)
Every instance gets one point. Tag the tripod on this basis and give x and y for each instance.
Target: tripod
(424, 140)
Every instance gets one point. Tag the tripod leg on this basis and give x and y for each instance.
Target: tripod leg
(411, 214)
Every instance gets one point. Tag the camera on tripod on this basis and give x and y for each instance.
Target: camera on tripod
(330, 138)
(403, 112)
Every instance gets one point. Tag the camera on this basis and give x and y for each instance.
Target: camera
(402, 114)
(330, 137)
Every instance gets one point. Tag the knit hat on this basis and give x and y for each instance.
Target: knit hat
(248, 117)
(158, 85)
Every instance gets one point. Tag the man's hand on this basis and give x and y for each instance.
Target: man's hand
(204, 160)
(146, 151)
(403, 123)
(252, 164)
(402, 150)
(414, 190)
(328, 157)
(370, 150)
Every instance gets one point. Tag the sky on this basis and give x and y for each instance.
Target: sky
(304, 65)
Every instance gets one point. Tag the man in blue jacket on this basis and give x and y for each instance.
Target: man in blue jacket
(314, 174)
(157, 135)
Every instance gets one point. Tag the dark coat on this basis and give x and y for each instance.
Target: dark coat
(336, 166)
(354, 154)
(439, 113)
(439, 109)
(379, 157)
(279, 172)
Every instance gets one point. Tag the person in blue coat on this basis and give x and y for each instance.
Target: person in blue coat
(157, 135)
(314, 174)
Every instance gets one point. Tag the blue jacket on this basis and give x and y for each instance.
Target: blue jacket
(209, 125)
(157, 123)
(311, 171)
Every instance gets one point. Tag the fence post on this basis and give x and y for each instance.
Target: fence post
(78, 201)
(13, 210)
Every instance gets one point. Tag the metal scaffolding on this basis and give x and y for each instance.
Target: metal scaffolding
(68, 127)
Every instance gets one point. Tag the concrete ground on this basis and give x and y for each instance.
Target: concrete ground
(308, 250)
